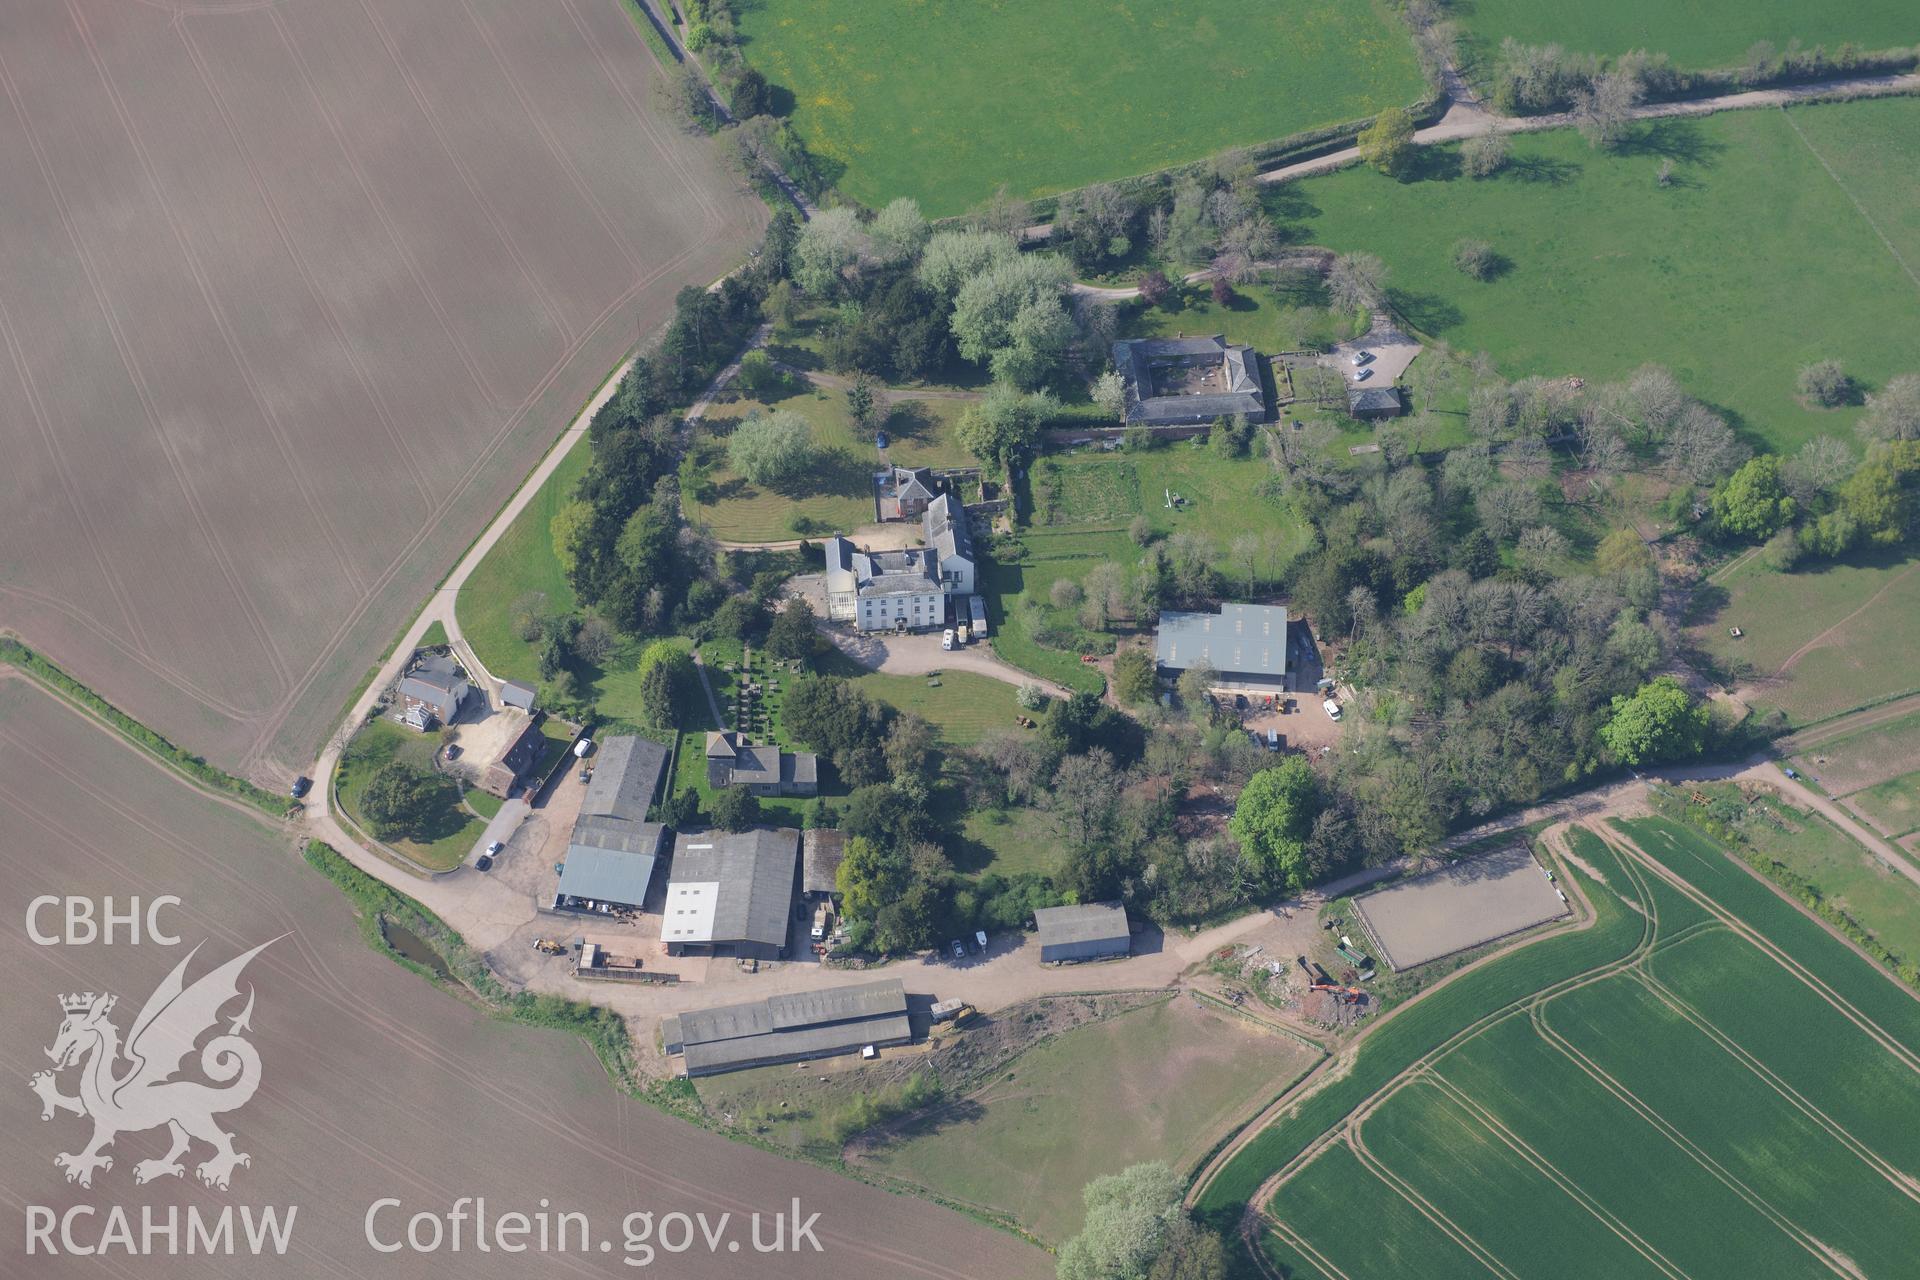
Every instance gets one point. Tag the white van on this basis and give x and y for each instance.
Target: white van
(1333, 709)
(946, 638)
(1273, 739)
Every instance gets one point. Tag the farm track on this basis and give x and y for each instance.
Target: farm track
(1846, 726)
(302, 965)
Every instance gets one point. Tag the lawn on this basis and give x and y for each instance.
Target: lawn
(1704, 34)
(522, 562)
(1009, 841)
(837, 493)
(1823, 640)
(963, 706)
(1027, 1142)
(1863, 757)
(1609, 270)
(382, 740)
(946, 101)
(1083, 502)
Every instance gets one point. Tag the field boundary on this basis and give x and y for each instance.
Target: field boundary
(208, 779)
(1847, 191)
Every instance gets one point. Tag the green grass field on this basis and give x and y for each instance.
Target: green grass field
(1027, 1142)
(945, 101)
(521, 562)
(1753, 263)
(838, 492)
(1861, 757)
(1849, 877)
(1894, 805)
(1695, 1108)
(1708, 33)
(1824, 640)
(382, 740)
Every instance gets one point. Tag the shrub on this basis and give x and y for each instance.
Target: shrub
(1475, 259)
(734, 809)
(1826, 383)
(1484, 156)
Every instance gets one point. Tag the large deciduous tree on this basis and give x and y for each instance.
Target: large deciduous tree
(771, 448)
(1272, 819)
(1660, 722)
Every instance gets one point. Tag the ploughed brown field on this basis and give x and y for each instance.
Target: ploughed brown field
(373, 1083)
(291, 295)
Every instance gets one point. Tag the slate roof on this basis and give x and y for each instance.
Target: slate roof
(625, 776)
(1374, 400)
(1247, 638)
(799, 768)
(1086, 922)
(1242, 392)
(913, 483)
(948, 531)
(727, 887)
(517, 693)
(821, 849)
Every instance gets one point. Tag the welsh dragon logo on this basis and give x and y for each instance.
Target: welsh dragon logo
(131, 1087)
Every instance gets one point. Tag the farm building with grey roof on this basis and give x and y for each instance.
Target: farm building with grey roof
(1177, 382)
(731, 892)
(1245, 643)
(1086, 931)
(789, 1028)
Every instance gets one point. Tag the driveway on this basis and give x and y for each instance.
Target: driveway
(502, 828)
(1392, 352)
(917, 654)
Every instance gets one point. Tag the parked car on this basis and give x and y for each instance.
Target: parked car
(494, 848)
(1273, 739)
(959, 949)
(1363, 375)
(980, 941)
(484, 862)
(1361, 357)
(453, 751)
(1333, 709)
(301, 785)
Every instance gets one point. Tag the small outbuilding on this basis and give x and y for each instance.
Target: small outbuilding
(1089, 931)
(821, 850)
(517, 693)
(1371, 404)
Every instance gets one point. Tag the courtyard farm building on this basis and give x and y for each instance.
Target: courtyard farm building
(732, 894)
(1181, 382)
(1245, 643)
(765, 770)
(613, 848)
(1088, 931)
(789, 1028)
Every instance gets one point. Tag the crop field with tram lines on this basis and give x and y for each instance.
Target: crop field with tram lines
(1701, 1081)
(291, 297)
